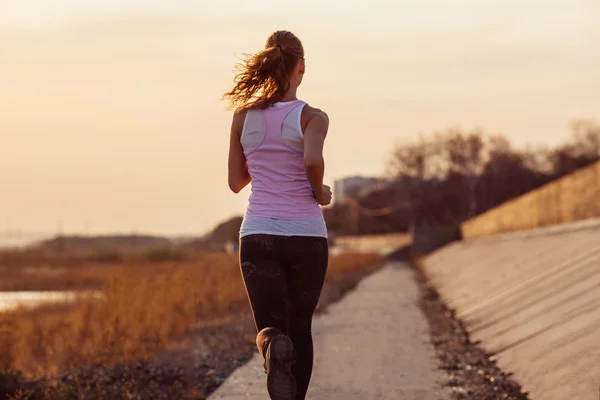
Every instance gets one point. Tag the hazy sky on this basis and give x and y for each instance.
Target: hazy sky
(110, 118)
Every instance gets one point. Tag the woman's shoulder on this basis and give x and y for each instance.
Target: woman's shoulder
(313, 111)
(238, 120)
(240, 113)
(239, 116)
(309, 112)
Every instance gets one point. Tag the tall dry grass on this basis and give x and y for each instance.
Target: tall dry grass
(145, 306)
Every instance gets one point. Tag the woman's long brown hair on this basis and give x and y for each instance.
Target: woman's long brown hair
(264, 77)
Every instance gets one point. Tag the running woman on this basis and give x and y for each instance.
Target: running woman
(277, 146)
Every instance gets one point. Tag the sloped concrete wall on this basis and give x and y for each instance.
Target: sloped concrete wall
(533, 298)
(572, 198)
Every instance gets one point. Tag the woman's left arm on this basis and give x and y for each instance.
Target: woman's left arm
(238, 175)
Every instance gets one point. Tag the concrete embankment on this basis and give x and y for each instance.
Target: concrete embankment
(574, 197)
(533, 299)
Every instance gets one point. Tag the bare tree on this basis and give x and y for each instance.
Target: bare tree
(586, 137)
(465, 152)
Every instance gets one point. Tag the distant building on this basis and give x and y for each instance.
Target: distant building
(351, 187)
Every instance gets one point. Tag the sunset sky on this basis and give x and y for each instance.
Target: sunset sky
(110, 111)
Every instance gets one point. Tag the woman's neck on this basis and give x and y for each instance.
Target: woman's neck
(290, 95)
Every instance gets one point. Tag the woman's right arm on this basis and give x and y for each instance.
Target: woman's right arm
(314, 164)
(238, 175)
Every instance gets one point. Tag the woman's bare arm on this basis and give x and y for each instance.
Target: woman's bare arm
(238, 175)
(314, 164)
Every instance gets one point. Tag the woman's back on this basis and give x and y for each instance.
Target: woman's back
(273, 146)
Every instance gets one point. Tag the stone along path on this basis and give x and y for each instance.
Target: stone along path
(372, 345)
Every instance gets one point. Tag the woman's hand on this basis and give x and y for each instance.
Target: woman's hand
(324, 196)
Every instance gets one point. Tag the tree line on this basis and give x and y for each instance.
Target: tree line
(447, 177)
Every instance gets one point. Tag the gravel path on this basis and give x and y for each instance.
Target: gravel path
(373, 344)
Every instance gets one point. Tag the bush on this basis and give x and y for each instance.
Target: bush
(9, 382)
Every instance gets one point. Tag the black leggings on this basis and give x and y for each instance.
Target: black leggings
(284, 277)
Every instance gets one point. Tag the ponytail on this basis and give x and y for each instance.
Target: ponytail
(263, 77)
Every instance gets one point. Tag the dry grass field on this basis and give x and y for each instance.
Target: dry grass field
(148, 300)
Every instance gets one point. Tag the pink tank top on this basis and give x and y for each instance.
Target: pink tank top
(279, 188)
